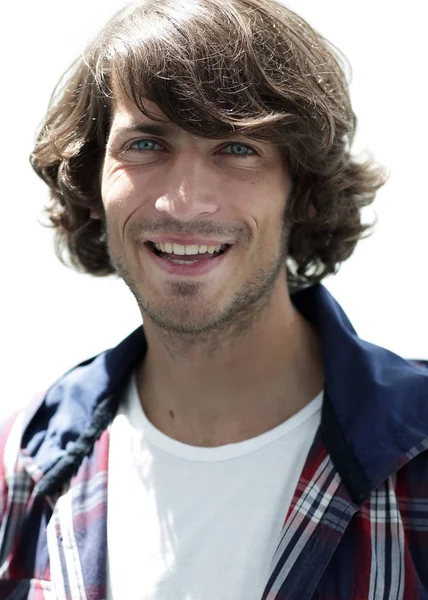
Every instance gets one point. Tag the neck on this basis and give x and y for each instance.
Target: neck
(219, 389)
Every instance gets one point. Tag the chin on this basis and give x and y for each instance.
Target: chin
(183, 319)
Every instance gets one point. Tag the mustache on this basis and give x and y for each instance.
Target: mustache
(237, 231)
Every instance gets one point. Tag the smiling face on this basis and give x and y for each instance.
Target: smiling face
(195, 226)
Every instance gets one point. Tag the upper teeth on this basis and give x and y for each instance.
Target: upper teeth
(182, 250)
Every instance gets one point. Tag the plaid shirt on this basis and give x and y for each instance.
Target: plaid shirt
(357, 527)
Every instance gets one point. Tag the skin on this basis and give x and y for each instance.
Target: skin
(228, 355)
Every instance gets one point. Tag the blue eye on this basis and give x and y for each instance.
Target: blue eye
(145, 145)
(240, 150)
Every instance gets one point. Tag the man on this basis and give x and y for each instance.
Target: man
(244, 443)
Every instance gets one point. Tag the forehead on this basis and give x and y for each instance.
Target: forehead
(124, 110)
(127, 118)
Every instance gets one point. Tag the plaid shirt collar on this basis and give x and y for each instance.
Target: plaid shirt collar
(366, 398)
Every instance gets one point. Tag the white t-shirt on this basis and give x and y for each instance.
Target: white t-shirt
(197, 523)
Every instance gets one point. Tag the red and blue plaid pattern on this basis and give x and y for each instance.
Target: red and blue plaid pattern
(357, 527)
(329, 548)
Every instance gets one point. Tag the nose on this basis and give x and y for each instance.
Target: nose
(190, 190)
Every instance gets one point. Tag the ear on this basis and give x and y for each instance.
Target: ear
(312, 212)
(94, 214)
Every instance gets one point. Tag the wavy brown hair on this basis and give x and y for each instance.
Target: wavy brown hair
(215, 68)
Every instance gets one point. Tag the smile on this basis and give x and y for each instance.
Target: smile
(186, 260)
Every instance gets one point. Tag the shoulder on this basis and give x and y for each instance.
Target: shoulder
(11, 430)
(420, 362)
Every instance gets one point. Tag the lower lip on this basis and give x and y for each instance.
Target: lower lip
(199, 267)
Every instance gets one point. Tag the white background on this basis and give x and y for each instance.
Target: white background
(53, 318)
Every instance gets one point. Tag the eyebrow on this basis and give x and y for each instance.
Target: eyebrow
(157, 129)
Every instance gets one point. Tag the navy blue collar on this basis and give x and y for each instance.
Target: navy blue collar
(375, 409)
(375, 412)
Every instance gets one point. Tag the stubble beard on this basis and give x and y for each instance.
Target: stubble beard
(183, 324)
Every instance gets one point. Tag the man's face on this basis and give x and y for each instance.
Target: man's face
(195, 226)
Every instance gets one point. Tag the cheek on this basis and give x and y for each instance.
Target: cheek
(119, 198)
(269, 224)
(267, 212)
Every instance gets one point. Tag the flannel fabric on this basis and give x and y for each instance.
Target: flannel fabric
(357, 528)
